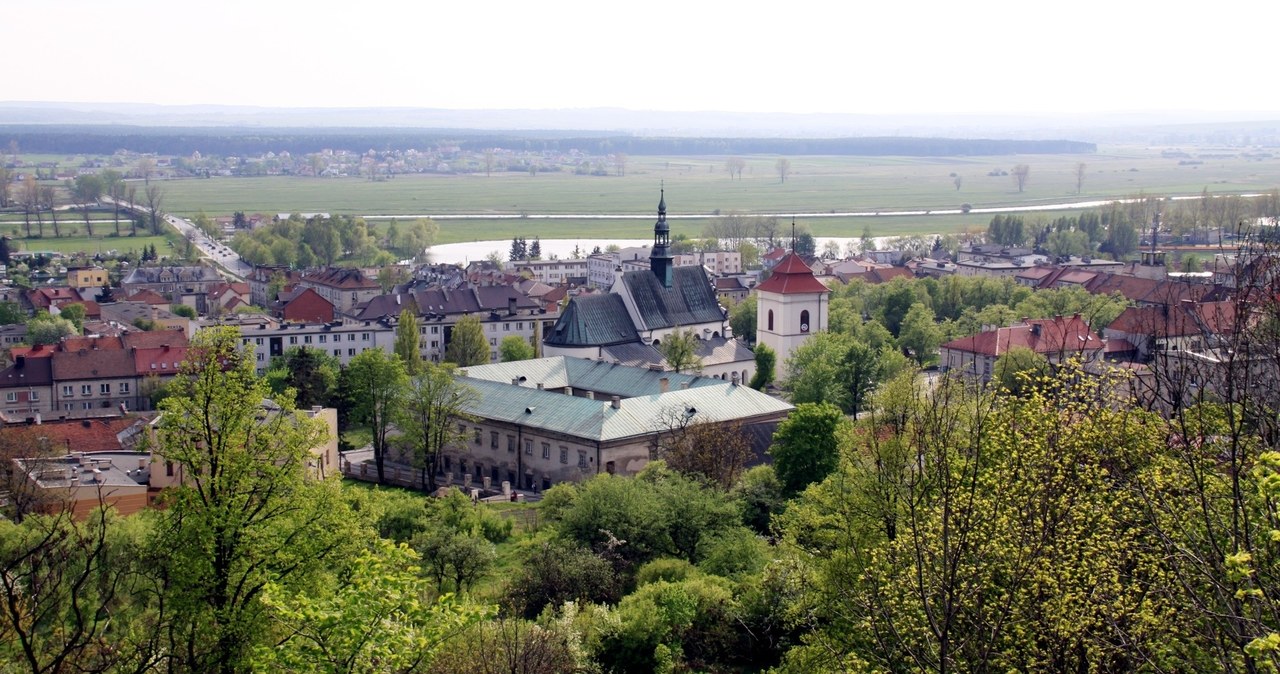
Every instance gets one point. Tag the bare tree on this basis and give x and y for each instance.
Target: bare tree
(958, 181)
(783, 166)
(734, 166)
(1080, 169)
(155, 201)
(48, 196)
(620, 163)
(131, 197)
(717, 452)
(488, 162)
(31, 202)
(1020, 174)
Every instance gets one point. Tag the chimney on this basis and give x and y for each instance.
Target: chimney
(568, 390)
(539, 386)
(664, 384)
(591, 395)
(684, 385)
(615, 402)
(511, 305)
(515, 381)
(142, 463)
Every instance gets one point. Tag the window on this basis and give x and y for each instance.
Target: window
(511, 443)
(261, 356)
(104, 388)
(33, 396)
(804, 321)
(770, 321)
(67, 390)
(528, 448)
(124, 387)
(462, 429)
(582, 459)
(168, 468)
(351, 352)
(506, 327)
(520, 325)
(293, 339)
(493, 342)
(546, 450)
(435, 343)
(258, 341)
(435, 329)
(478, 434)
(337, 352)
(564, 454)
(11, 396)
(86, 389)
(306, 339)
(86, 405)
(324, 338)
(351, 336)
(364, 336)
(493, 439)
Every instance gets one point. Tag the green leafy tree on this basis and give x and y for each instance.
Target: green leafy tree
(246, 515)
(1019, 370)
(11, 313)
(514, 348)
(46, 329)
(311, 373)
(183, 311)
(680, 350)
(378, 618)
(407, 340)
(432, 402)
(376, 383)
(766, 361)
(73, 312)
(468, 345)
(920, 333)
(742, 319)
(805, 447)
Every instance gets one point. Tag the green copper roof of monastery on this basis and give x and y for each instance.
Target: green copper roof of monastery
(690, 299)
(593, 320)
(639, 416)
(558, 372)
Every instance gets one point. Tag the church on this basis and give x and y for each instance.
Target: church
(644, 307)
(791, 305)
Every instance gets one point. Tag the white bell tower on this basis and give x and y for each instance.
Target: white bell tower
(791, 305)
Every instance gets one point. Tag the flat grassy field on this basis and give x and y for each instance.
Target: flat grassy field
(98, 244)
(701, 186)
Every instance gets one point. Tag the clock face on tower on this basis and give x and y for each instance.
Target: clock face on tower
(804, 327)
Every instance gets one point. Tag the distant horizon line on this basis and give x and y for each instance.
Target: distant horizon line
(599, 108)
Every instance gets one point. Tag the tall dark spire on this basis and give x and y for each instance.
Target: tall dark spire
(660, 261)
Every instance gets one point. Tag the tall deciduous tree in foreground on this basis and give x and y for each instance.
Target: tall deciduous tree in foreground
(376, 381)
(407, 339)
(246, 513)
(468, 345)
(433, 401)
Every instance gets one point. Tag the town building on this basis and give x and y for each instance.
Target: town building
(344, 288)
(791, 305)
(342, 340)
(87, 277)
(645, 307)
(1057, 339)
(540, 422)
(552, 272)
(172, 282)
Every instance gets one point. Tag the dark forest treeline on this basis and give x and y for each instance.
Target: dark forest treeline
(242, 141)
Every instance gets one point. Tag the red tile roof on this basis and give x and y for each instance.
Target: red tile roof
(1181, 320)
(148, 297)
(1044, 336)
(792, 276)
(78, 435)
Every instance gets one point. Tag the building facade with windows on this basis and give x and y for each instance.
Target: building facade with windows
(342, 340)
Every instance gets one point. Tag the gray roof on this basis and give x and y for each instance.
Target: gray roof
(557, 372)
(713, 351)
(593, 320)
(691, 299)
(639, 416)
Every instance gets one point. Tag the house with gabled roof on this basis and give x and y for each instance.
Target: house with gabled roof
(1057, 339)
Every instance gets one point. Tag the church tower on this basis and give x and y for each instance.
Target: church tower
(660, 260)
(791, 305)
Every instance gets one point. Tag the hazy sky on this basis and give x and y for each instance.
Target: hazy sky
(837, 56)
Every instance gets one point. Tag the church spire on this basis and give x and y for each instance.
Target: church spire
(660, 261)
